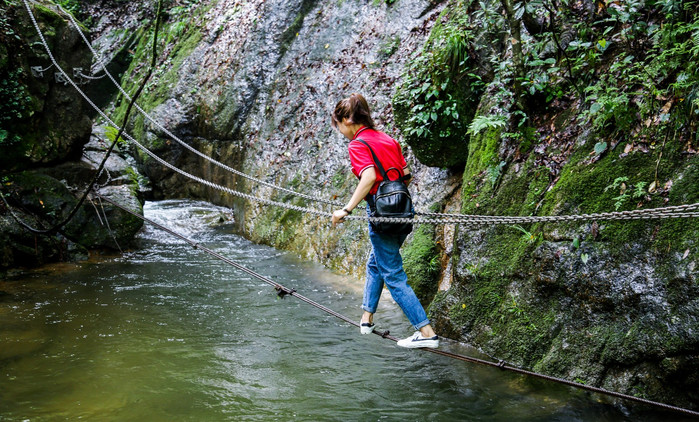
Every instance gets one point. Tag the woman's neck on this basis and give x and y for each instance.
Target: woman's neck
(356, 128)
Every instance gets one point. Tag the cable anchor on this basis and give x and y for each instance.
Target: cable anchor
(60, 79)
(78, 76)
(37, 71)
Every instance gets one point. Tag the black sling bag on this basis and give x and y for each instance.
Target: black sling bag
(392, 199)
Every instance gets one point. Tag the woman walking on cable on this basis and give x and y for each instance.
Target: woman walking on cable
(352, 118)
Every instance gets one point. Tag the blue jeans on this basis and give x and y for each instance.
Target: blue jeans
(385, 266)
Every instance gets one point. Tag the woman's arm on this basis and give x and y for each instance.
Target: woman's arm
(406, 172)
(366, 181)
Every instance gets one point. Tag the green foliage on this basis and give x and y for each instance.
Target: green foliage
(527, 235)
(627, 62)
(439, 93)
(421, 260)
(73, 6)
(649, 78)
(512, 309)
(480, 123)
(626, 191)
(600, 147)
(111, 132)
(15, 101)
(495, 171)
(175, 38)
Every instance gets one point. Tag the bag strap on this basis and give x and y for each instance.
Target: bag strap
(376, 160)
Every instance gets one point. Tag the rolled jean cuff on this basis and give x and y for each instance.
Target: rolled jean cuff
(422, 324)
(371, 311)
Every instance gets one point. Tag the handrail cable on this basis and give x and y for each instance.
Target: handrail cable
(56, 227)
(283, 291)
(452, 216)
(184, 144)
(679, 211)
(91, 77)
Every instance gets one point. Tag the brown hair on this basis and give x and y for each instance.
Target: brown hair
(355, 109)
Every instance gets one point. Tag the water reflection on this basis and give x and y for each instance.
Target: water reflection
(166, 332)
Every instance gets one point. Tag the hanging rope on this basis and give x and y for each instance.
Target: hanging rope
(683, 211)
(680, 211)
(429, 218)
(184, 144)
(91, 77)
(56, 227)
(283, 291)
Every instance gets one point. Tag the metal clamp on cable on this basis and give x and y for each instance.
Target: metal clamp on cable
(281, 291)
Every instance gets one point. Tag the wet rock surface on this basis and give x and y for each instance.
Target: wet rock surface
(254, 88)
(54, 158)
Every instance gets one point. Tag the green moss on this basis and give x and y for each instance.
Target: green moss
(277, 226)
(49, 17)
(164, 78)
(584, 188)
(421, 261)
(288, 36)
(440, 93)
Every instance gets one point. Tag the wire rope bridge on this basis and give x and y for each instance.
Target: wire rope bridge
(680, 211)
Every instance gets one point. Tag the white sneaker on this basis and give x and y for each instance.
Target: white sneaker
(417, 340)
(366, 327)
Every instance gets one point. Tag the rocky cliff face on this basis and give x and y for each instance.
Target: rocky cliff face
(253, 84)
(42, 120)
(608, 303)
(48, 154)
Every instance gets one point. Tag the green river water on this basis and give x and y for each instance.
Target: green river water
(167, 333)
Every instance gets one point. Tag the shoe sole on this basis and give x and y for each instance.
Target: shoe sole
(424, 344)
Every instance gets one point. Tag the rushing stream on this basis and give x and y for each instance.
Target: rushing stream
(167, 333)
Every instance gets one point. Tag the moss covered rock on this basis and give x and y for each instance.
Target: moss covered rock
(42, 121)
(608, 303)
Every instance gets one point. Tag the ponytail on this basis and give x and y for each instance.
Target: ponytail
(356, 109)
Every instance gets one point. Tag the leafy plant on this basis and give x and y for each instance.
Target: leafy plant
(518, 313)
(528, 236)
(111, 133)
(439, 94)
(15, 101)
(600, 147)
(494, 172)
(626, 191)
(481, 123)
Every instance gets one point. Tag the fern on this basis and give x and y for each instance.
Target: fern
(481, 123)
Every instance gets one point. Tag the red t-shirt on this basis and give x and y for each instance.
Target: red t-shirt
(387, 150)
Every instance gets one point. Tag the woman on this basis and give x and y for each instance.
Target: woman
(352, 118)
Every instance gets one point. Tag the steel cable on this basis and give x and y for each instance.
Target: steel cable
(184, 144)
(668, 212)
(90, 77)
(284, 291)
(679, 211)
(424, 218)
